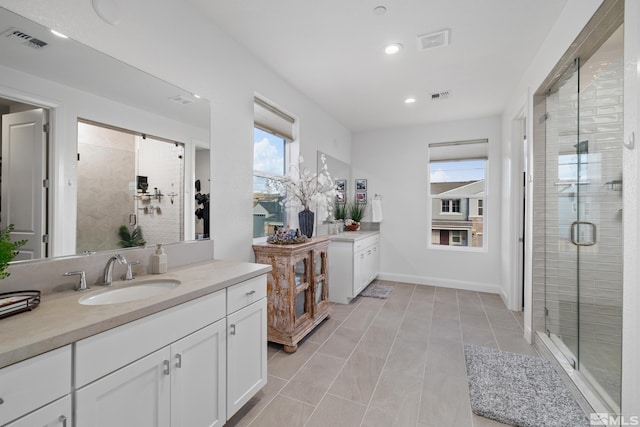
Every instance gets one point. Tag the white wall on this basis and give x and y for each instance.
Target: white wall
(394, 161)
(206, 61)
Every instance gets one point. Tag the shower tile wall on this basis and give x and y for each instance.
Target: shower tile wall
(163, 164)
(104, 198)
(600, 277)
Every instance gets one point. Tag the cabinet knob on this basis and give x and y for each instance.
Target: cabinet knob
(63, 420)
(233, 329)
(251, 292)
(1, 401)
(167, 368)
(178, 361)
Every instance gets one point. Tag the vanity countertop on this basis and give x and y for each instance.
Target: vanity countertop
(352, 236)
(60, 319)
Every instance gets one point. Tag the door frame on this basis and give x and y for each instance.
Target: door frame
(60, 193)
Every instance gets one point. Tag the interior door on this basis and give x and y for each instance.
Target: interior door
(24, 144)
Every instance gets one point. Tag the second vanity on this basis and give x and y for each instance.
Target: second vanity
(355, 262)
(190, 356)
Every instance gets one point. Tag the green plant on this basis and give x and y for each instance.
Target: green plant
(356, 211)
(8, 250)
(340, 211)
(130, 239)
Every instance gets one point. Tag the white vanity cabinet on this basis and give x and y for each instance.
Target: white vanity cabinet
(355, 262)
(246, 342)
(167, 369)
(55, 414)
(40, 382)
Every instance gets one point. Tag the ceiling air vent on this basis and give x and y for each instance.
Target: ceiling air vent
(433, 40)
(440, 95)
(20, 36)
(180, 99)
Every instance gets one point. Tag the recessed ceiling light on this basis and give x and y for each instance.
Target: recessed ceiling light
(59, 34)
(379, 10)
(393, 48)
(409, 100)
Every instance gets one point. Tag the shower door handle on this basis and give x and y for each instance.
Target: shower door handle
(591, 242)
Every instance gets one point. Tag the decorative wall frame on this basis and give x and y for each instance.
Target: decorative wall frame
(361, 197)
(361, 185)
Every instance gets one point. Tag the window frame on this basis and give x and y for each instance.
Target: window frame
(473, 231)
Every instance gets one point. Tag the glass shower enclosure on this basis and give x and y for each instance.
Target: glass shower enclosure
(583, 217)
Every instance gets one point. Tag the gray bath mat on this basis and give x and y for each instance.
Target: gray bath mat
(519, 390)
(375, 290)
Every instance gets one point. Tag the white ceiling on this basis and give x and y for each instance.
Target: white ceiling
(332, 51)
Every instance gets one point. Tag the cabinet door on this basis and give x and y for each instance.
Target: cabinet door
(359, 272)
(55, 414)
(246, 354)
(198, 386)
(137, 395)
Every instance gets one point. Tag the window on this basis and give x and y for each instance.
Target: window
(273, 131)
(457, 182)
(451, 206)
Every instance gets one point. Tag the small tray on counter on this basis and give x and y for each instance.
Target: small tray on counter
(16, 302)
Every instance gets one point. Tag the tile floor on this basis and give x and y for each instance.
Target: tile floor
(386, 362)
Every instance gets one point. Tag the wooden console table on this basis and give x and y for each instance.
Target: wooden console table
(297, 289)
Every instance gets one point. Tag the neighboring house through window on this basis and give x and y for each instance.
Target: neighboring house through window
(272, 133)
(457, 182)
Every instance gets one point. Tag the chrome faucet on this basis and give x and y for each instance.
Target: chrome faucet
(107, 277)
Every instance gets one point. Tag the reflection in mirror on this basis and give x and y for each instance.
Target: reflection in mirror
(140, 190)
(341, 174)
(95, 87)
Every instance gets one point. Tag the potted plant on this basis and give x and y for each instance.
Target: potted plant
(8, 250)
(356, 213)
(340, 211)
(130, 239)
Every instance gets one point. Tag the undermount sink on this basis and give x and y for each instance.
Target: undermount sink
(135, 292)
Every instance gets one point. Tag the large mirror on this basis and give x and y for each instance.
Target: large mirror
(66, 111)
(341, 174)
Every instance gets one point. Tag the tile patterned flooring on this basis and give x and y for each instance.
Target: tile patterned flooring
(386, 362)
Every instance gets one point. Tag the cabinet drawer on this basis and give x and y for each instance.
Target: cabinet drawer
(34, 382)
(245, 293)
(101, 354)
(365, 243)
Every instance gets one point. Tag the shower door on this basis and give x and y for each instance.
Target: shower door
(583, 218)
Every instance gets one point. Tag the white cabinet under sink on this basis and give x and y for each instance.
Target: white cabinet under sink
(41, 382)
(246, 343)
(190, 365)
(355, 262)
(179, 385)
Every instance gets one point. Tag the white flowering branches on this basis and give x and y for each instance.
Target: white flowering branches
(304, 188)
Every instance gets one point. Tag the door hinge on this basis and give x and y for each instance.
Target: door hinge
(45, 238)
(45, 127)
(45, 183)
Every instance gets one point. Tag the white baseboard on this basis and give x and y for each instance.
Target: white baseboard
(444, 283)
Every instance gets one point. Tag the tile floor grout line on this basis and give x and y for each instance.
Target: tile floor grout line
(426, 356)
(386, 360)
(346, 360)
(287, 381)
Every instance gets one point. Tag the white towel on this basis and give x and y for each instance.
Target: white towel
(376, 210)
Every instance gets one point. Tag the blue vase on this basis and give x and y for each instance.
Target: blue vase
(305, 221)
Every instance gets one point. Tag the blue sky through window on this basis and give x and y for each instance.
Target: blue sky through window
(457, 171)
(268, 156)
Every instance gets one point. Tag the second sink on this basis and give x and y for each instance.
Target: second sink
(135, 292)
